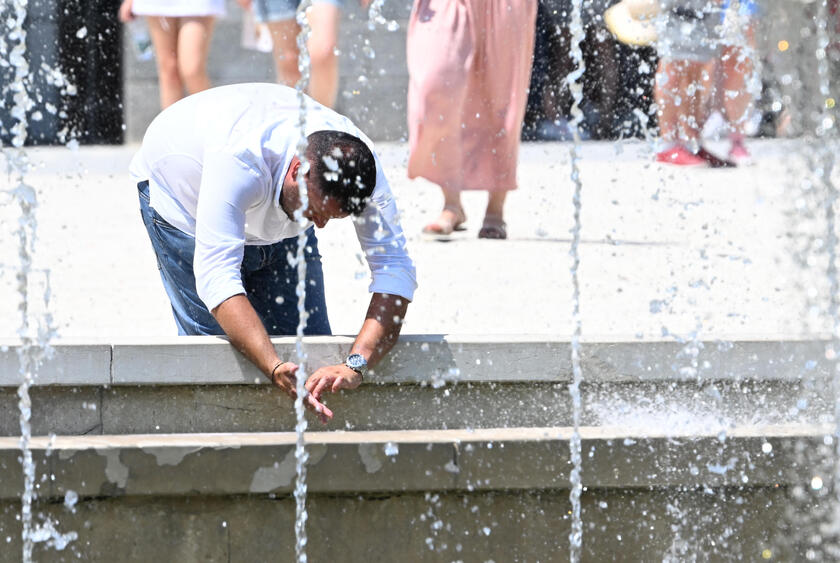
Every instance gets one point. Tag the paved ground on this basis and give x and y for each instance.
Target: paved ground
(665, 250)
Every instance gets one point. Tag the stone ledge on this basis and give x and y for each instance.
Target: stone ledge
(415, 460)
(682, 406)
(71, 364)
(428, 359)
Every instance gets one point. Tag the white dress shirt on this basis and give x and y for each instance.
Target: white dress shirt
(215, 162)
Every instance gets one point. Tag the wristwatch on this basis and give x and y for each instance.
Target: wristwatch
(357, 363)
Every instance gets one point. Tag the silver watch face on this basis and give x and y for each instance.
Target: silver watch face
(356, 362)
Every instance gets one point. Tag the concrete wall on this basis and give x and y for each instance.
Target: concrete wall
(179, 451)
(647, 525)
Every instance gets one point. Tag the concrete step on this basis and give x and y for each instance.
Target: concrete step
(415, 460)
(201, 385)
(459, 447)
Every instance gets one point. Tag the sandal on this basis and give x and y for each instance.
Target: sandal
(444, 226)
(713, 160)
(493, 228)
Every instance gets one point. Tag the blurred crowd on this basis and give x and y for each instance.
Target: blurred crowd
(484, 74)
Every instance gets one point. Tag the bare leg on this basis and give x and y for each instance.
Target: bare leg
(193, 48)
(284, 37)
(323, 85)
(737, 66)
(668, 98)
(164, 34)
(452, 216)
(682, 90)
(494, 226)
(496, 204)
(699, 86)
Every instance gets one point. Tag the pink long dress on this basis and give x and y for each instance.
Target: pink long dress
(469, 65)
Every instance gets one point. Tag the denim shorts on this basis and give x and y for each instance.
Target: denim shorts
(270, 282)
(279, 10)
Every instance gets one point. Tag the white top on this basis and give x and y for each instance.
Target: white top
(178, 8)
(215, 162)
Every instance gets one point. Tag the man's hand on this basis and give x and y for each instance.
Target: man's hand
(247, 333)
(331, 378)
(284, 377)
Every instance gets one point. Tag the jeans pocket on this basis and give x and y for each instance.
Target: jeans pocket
(162, 223)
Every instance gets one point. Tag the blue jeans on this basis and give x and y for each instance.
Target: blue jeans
(279, 10)
(269, 280)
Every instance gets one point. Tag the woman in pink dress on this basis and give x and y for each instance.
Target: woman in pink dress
(469, 64)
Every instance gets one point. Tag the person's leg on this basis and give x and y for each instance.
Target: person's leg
(671, 91)
(666, 90)
(494, 226)
(284, 40)
(737, 66)
(174, 251)
(164, 34)
(451, 218)
(194, 36)
(271, 285)
(499, 75)
(438, 45)
(681, 90)
(698, 87)
(699, 90)
(323, 82)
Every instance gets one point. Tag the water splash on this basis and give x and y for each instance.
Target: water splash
(301, 455)
(375, 17)
(28, 352)
(576, 89)
(823, 155)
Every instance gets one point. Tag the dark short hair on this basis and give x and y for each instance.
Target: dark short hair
(342, 167)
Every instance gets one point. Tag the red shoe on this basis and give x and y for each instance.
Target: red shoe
(681, 156)
(714, 161)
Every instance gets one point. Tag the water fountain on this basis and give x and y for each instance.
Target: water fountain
(34, 333)
(577, 31)
(687, 442)
(301, 457)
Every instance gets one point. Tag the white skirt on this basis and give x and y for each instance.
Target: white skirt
(178, 8)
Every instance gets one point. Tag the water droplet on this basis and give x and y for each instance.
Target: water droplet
(70, 500)
(391, 449)
(816, 483)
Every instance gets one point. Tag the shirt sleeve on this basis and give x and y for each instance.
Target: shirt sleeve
(228, 188)
(383, 242)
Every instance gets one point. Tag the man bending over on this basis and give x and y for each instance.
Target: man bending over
(217, 177)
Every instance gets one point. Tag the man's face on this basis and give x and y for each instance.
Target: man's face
(322, 207)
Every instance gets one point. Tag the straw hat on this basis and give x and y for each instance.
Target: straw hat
(633, 22)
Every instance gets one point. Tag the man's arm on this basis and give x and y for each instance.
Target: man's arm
(243, 326)
(378, 335)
